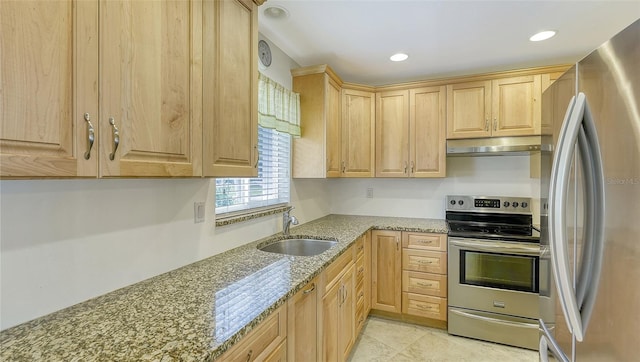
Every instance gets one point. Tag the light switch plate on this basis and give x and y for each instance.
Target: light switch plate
(198, 212)
(370, 192)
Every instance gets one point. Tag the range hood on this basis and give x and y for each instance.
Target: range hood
(495, 146)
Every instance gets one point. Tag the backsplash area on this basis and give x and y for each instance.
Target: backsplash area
(492, 175)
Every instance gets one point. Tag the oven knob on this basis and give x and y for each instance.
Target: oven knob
(506, 204)
(524, 204)
(460, 202)
(452, 202)
(515, 204)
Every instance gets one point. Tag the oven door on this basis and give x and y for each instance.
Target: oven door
(494, 276)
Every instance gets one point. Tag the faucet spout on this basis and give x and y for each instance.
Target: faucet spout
(287, 220)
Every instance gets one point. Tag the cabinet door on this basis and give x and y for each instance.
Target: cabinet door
(468, 109)
(516, 106)
(386, 271)
(427, 132)
(230, 70)
(333, 128)
(329, 332)
(545, 119)
(302, 324)
(147, 89)
(347, 314)
(358, 133)
(392, 134)
(48, 79)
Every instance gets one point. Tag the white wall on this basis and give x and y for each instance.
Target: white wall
(493, 176)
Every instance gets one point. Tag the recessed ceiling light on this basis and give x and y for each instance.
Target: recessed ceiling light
(399, 57)
(543, 35)
(276, 12)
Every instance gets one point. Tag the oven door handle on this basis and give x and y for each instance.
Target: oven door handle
(496, 247)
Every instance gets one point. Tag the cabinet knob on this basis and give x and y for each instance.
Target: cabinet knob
(116, 138)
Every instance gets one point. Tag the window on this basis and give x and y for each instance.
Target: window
(271, 187)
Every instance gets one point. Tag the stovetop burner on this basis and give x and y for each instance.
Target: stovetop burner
(491, 218)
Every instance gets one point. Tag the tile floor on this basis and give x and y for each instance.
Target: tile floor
(391, 341)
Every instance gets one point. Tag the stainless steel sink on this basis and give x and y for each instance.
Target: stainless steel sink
(299, 247)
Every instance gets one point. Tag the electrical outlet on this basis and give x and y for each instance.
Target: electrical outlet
(370, 192)
(198, 212)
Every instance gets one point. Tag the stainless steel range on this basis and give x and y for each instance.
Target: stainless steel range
(494, 256)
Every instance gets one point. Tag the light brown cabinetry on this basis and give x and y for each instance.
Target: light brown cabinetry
(424, 275)
(266, 342)
(337, 331)
(124, 80)
(363, 280)
(302, 324)
(47, 87)
(358, 133)
(230, 87)
(317, 152)
(410, 133)
(493, 108)
(149, 93)
(149, 89)
(386, 271)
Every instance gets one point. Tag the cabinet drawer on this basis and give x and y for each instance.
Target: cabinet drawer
(332, 273)
(261, 341)
(424, 283)
(424, 261)
(279, 354)
(359, 270)
(422, 241)
(424, 306)
(360, 317)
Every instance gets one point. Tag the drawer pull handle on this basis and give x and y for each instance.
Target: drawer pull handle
(425, 306)
(313, 287)
(425, 241)
(90, 135)
(116, 138)
(425, 284)
(427, 262)
(249, 355)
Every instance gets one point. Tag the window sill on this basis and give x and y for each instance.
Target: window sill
(246, 215)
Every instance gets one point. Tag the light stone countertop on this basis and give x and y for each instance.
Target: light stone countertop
(194, 313)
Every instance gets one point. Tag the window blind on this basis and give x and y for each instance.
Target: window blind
(271, 187)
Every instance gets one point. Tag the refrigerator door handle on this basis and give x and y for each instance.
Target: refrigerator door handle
(549, 344)
(593, 248)
(557, 215)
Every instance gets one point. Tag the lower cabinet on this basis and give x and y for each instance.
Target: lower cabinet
(409, 279)
(265, 342)
(337, 329)
(302, 324)
(386, 268)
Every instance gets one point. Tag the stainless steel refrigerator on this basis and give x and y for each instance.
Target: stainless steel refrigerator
(590, 207)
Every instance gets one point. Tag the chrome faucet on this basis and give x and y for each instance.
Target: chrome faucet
(287, 220)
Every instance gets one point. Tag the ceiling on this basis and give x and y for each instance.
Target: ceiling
(442, 38)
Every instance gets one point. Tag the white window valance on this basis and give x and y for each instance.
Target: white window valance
(278, 107)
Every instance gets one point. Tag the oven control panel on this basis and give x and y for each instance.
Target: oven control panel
(505, 204)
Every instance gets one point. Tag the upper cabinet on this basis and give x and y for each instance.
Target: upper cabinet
(493, 108)
(317, 152)
(230, 70)
(47, 87)
(150, 102)
(115, 88)
(410, 133)
(358, 133)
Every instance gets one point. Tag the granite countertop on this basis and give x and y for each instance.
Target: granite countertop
(194, 313)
